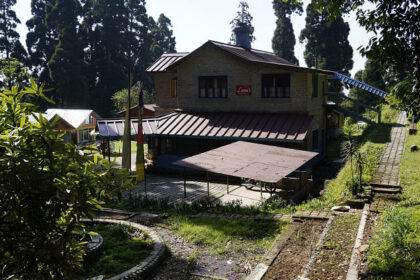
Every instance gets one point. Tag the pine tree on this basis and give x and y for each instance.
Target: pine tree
(243, 17)
(66, 65)
(326, 42)
(284, 41)
(40, 41)
(10, 45)
(108, 61)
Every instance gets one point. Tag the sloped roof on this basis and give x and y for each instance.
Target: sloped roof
(360, 84)
(74, 117)
(167, 61)
(240, 126)
(163, 62)
(250, 160)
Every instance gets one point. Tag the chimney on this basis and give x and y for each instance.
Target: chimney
(242, 36)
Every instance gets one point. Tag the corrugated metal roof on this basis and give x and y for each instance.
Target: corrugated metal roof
(114, 128)
(240, 126)
(360, 84)
(163, 62)
(251, 55)
(249, 160)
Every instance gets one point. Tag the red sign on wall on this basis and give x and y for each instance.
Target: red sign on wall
(243, 90)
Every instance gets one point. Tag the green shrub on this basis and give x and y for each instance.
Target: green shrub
(395, 248)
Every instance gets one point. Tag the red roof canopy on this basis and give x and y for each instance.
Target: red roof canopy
(259, 162)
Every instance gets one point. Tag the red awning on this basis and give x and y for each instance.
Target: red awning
(249, 160)
(227, 126)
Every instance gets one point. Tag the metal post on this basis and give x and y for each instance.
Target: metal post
(185, 184)
(208, 184)
(227, 183)
(261, 186)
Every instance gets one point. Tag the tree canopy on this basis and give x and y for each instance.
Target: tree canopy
(372, 75)
(10, 45)
(395, 44)
(284, 40)
(326, 42)
(47, 187)
(93, 44)
(242, 18)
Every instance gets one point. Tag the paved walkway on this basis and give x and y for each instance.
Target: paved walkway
(172, 189)
(388, 170)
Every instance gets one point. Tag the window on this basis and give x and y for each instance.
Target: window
(212, 87)
(89, 120)
(172, 88)
(315, 140)
(314, 85)
(275, 86)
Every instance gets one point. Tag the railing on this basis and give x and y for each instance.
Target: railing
(337, 96)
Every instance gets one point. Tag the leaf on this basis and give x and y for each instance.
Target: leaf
(22, 121)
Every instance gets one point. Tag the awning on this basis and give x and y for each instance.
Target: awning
(259, 162)
(237, 126)
(114, 128)
(360, 84)
(226, 126)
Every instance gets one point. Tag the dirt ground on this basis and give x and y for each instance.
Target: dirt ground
(189, 261)
(294, 257)
(333, 259)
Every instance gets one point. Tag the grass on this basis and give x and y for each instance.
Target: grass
(395, 249)
(124, 248)
(222, 236)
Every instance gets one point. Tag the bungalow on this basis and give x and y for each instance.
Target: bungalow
(78, 123)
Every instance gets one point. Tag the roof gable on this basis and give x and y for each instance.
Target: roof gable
(74, 117)
(168, 61)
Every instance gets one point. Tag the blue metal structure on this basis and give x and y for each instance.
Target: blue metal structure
(360, 84)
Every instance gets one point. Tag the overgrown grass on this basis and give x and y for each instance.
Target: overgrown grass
(395, 249)
(124, 247)
(227, 236)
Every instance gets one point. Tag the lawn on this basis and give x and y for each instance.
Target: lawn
(227, 236)
(124, 248)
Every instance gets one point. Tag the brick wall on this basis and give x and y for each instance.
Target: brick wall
(212, 61)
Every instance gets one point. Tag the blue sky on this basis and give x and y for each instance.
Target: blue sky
(196, 21)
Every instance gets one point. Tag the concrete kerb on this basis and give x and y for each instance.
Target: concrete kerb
(145, 267)
(353, 271)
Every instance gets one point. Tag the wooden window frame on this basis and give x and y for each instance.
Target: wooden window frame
(172, 87)
(275, 86)
(213, 87)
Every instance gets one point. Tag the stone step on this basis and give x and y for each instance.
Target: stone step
(386, 189)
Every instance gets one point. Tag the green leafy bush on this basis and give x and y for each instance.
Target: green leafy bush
(46, 188)
(395, 249)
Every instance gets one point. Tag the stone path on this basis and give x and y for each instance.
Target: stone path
(388, 170)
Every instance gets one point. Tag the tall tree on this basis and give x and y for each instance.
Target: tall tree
(284, 41)
(66, 65)
(395, 44)
(243, 18)
(40, 41)
(326, 42)
(13, 73)
(10, 45)
(110, 22)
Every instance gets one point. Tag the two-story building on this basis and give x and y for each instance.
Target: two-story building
(221, 93)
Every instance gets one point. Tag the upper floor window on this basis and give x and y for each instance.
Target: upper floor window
(275, 86)
(212, 87)
(89, 120)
